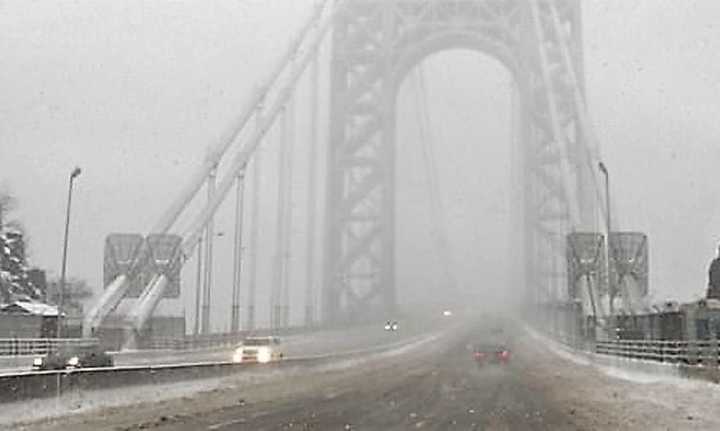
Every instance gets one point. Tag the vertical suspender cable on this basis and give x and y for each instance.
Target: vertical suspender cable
(311, 198)
(277, 270)
(239, 162)
(289, 132)
(255, 227)
(232, 134)
(237, 256)
(310, 36)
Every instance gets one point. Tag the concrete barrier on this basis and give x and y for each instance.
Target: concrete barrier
(47, 384)
(711, 374)
(31, 385)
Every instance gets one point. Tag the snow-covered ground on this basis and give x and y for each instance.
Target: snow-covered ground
(582, 390)
(634, 370)
(616, 393)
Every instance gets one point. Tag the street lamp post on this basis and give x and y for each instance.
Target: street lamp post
(611, 291)
(61, 292)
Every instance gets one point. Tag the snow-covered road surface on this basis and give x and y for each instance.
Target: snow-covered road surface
(431, 386)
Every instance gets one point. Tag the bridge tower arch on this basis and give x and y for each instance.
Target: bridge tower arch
(374, 45)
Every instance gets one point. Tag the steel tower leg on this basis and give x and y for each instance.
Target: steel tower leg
(330, 297)
(387, 159)
(254, 232)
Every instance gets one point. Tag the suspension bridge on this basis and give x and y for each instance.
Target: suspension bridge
(308, 173)
(341, 75)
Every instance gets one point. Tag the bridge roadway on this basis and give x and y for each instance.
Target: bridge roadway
(432, 385)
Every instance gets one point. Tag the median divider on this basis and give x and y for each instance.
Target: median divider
(47, 384)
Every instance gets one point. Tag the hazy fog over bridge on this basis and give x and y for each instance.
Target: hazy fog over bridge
(136, 94)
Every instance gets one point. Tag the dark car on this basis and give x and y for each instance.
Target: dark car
(491, 354)
(72, 358)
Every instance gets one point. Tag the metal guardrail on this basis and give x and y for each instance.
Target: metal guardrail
(192, 342)
(40, 346)
(706, 353)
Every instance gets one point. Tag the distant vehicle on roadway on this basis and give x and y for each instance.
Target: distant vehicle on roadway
(391, 325)
(259, 350)
(491, 353)
(73, 357)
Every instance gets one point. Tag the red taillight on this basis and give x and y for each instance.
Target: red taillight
(479, 354)
(505, 354)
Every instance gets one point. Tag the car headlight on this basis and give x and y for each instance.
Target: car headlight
(388, 327)
(38, 362)
(264, 355)
(237, 356)
(74, 361)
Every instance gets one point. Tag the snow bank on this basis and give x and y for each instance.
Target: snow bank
(634, 370)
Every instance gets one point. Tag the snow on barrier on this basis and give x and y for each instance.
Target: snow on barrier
(695, 359)
(40, 346)
(687, 359)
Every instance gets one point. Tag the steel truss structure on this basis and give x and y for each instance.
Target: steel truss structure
(375, 43)
(629, 269)
(587, 270)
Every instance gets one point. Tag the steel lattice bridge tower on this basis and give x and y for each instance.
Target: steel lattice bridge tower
(371, 46)
(375, 44)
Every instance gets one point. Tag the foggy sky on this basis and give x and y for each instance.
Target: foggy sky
(135, 91)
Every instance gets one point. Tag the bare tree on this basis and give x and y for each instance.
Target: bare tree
(76, 292)
(7, 203)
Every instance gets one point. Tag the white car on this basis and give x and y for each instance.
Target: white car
(259, 349)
